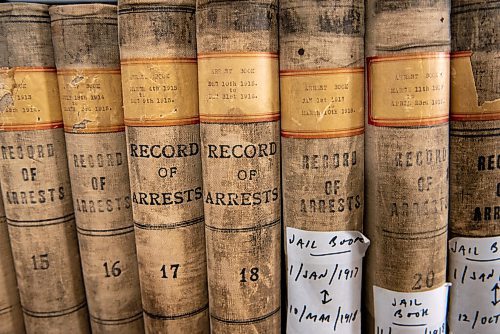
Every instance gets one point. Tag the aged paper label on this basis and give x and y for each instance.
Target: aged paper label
(324, 272)
(91, 100)
(29, 99)
(464, 99)
(238, 88)
(408, 90)
(474, 271)
(411, 312)
(322, 103)
(160, 92)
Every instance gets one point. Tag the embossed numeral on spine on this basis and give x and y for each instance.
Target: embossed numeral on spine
(35, 179)
(91, 101)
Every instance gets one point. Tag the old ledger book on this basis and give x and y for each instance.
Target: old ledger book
(11, 317)
(407, 68)
(160, 96)
(474, 261)
(322, 125)
(85, 39)
(35, 180)
(239, 114)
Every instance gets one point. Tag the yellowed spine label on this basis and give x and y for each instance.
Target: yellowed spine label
(91, 100)
(154, 92)
(464, 99)
(29, 99)
(322, 103)
(408, 90)
(238, 88)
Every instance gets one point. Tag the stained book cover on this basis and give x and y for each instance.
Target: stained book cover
(159, 75)
(474, 167)
(11, 316)
(322, 137)
(35, 179)
(407, 47)
(239, 113)
(85, 39)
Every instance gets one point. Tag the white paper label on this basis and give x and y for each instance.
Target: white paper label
(411, 312)
(324, 281)
(474, 270)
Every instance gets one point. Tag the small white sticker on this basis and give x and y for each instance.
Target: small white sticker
(324, 281)
(411, 312)
(474, 270)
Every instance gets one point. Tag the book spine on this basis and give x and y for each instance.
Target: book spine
(35, 179)
(159, 75)
(475, 120)
(474, 166)
(407, 67)
(11, 316)
(239, 113)
(85, 39)
(322, 134)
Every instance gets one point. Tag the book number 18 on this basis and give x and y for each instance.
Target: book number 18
(254, 275)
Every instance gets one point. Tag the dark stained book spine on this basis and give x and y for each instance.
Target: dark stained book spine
(322, 135)
(407, 48)
(85, 39)
(35, 179)
(239, 114)
(474, 166)
(160, 92)
(11, 316)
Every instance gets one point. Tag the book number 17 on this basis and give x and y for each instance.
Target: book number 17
(173, 267)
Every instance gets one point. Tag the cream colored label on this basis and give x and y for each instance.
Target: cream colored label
(324, 272)
(91, 100)
(464, 99)
(238, 88)
(410, 90)
(160, 92)
(322, 103)
(29, 99)
(411, 312)
(474, 271)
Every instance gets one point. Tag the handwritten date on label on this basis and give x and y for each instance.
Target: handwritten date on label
(324, 281)
(411, 312)
(474, 271)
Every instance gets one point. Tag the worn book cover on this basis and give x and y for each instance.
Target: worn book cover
(406, 171)
(474, 263)
(85, 39)
(160, 96)
(322, 132)
(239, 114)
(35, 179)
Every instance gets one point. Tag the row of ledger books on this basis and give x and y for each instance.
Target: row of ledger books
(264, 166)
